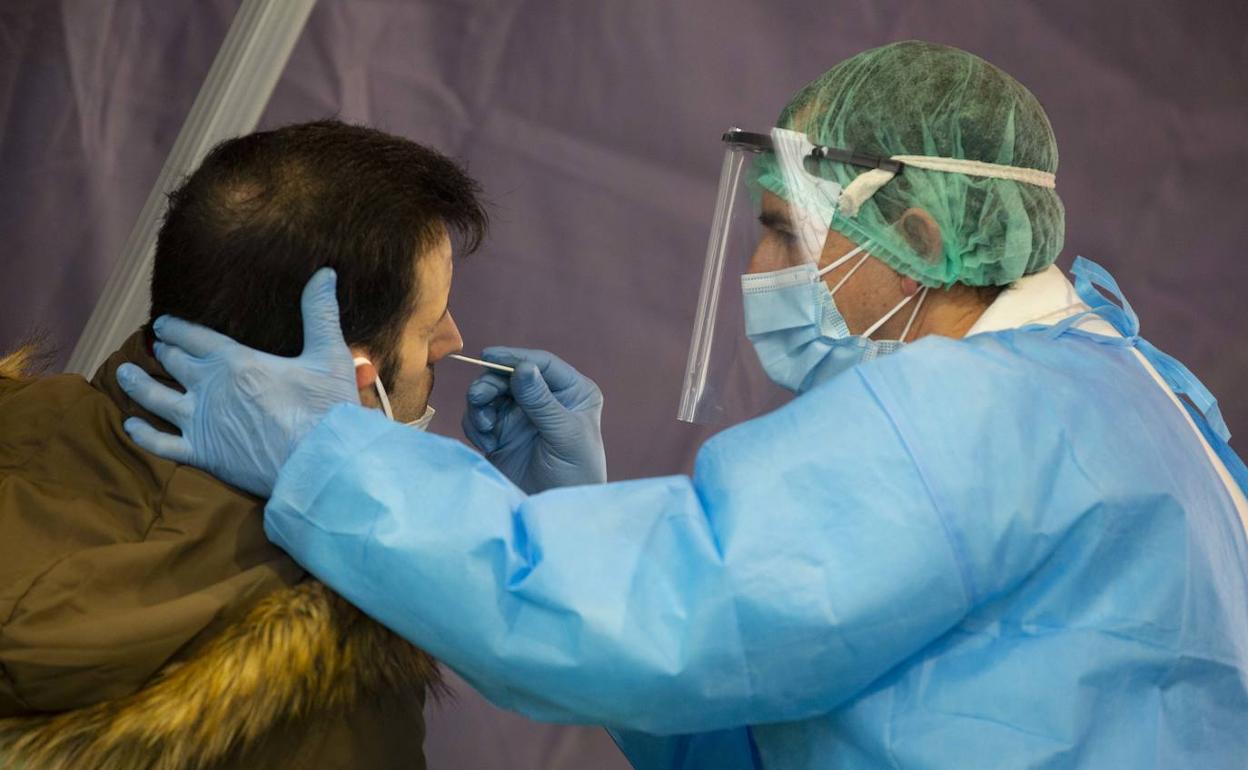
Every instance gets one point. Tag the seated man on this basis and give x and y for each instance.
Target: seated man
(145, 621)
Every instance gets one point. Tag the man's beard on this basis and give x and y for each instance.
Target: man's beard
(409, 405)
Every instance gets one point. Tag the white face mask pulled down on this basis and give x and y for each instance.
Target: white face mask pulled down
(422, 423)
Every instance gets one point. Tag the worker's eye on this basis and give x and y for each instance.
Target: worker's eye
(782, 234)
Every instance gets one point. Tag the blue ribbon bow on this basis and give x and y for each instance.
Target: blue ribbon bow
(1092, 282)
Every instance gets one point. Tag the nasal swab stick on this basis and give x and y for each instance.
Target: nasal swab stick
(479, 362)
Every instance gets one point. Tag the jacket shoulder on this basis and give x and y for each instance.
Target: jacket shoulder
(113, 562)
(301, 656)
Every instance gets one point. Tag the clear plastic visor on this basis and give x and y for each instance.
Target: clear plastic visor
(773, 207)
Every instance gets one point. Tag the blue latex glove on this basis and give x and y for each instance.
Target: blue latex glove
(243, 411)
(542, 425)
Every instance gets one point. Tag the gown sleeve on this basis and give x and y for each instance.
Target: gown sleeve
(806, 556)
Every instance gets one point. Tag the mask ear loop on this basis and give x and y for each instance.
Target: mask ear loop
(834, 264)
(385, 400)
(381, 389)
(876, 326)
(906, 331)
(850, 274)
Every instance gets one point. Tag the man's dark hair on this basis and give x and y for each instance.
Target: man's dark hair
(264, 211)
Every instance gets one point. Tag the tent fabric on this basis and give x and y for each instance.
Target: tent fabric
(595, 130)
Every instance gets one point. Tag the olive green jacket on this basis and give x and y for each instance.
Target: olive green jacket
(146, 621)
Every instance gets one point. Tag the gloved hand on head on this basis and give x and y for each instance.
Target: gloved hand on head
(540, 426)
(243, 411)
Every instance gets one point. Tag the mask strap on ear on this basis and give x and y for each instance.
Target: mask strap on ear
(875, 327)
(834, 264)
(381, 389)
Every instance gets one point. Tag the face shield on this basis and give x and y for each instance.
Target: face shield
(776, 198)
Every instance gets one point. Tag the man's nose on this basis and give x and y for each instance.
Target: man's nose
(447, 340)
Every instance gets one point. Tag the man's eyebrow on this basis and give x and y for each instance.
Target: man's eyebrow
(774, 221)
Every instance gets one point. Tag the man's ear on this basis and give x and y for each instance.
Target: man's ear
(365, 373)
(920, 230)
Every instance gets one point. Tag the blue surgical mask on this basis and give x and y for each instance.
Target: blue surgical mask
(799, 334)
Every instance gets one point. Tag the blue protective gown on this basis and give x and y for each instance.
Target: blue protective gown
(1004, 551)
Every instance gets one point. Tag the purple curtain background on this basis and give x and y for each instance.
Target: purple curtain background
(594, 128)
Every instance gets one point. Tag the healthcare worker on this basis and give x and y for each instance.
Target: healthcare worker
(996, 528)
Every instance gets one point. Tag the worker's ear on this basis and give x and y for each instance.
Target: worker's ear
(920, 230)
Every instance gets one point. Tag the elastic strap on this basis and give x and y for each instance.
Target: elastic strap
(906, 331)
(868, 183)
(848, 275)
(876, 326)
(842, 260)
(1029, 176)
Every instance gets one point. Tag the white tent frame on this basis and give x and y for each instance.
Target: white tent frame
(230, 102)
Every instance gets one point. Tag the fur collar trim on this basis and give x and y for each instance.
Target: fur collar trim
(300, 650)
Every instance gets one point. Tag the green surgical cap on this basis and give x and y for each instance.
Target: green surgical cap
(916, 98)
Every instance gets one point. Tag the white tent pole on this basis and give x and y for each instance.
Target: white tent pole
(229, 103)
